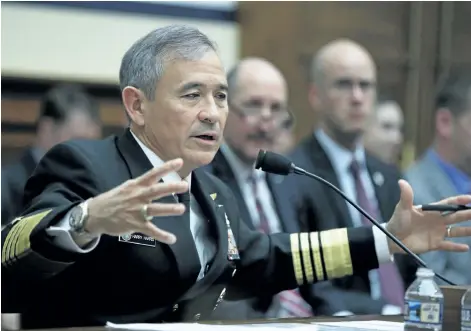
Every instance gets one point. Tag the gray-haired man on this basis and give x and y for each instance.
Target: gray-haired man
(98, 242)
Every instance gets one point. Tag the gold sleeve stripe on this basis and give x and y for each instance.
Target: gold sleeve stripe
(14, 240)
(316, 254)
(306, 255)
(336, 252)
(18, 239)
(23, 242)
(11, 238)
(298, 271)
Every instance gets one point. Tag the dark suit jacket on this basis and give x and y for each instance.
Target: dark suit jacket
(14, 177)
(122, 282)
(325, 209)
(325, 300)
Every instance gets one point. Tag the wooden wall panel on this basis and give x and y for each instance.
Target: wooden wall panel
(19, 116)
(461, 33)
(26, 111)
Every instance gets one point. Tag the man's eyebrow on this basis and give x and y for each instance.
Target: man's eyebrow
(196, 85)
(190, 86)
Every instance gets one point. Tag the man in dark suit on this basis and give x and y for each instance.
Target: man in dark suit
(342, 91)
(115, 233)
(258, 112)
(66, 112)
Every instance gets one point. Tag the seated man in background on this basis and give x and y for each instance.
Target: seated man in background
(384, 136)
(342, 92)
(258, 111)
(445, 168)
(66, 112)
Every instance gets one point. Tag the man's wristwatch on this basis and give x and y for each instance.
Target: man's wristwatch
(78, 218)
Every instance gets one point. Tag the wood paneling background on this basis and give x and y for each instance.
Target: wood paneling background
(412, 43)
(20, 111)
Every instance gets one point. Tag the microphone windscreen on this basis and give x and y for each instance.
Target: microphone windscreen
(273, 163)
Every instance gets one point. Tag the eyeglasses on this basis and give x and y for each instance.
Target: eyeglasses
(253, 113)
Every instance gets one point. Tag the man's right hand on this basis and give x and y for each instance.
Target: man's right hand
(119, 211)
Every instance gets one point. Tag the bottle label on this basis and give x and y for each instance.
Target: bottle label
(423, 312)
(466, 319)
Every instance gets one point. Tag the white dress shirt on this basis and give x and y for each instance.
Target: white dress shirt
(205, 245)
(242, 173)
(341, 159)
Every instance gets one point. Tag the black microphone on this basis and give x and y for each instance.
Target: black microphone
(280, 165)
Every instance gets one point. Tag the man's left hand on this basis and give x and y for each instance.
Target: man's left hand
(423, 231)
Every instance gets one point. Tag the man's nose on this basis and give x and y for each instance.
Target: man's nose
(357, 93)
(211, 113)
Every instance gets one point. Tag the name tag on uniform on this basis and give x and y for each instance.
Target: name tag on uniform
(137, 239)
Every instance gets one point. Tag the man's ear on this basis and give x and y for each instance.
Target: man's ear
(313, 96)
(444, 122)
(133, 100)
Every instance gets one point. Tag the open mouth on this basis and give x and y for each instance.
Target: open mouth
(206, 137)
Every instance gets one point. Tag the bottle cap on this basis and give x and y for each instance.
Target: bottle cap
(424, 272)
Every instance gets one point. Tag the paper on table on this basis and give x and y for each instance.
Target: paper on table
(209, 327)
(366, 325)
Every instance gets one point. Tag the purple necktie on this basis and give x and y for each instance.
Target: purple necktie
(291, 301)
(392, 286)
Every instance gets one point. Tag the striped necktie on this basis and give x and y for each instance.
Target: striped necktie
(392, 286)
(292, 303)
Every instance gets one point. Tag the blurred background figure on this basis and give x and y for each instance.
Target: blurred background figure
(285, 139)
(67, 112)
(342, 92)
(258, 113)
(384, 134)
(445, 168)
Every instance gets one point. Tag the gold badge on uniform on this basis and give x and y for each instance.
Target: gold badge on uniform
(232, 251)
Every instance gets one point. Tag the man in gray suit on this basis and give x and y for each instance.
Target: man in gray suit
(445, 168)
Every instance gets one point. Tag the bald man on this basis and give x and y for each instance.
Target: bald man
(258, 109)
(342, 92)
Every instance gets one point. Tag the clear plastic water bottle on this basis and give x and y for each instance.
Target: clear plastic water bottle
(466, 311)
(423, 303)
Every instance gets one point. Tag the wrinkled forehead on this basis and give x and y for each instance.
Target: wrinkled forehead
(267, 88)
(206, 72)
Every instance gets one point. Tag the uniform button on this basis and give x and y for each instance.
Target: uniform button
(175, 307)
(197, 317)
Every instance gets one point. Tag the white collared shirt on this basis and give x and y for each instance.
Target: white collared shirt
(341, 159)
(242, 173)
(205, 245)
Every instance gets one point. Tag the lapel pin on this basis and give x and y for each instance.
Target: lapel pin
(378, 179)
(213, 196)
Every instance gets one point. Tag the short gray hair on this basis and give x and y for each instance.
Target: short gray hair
(144, 63)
